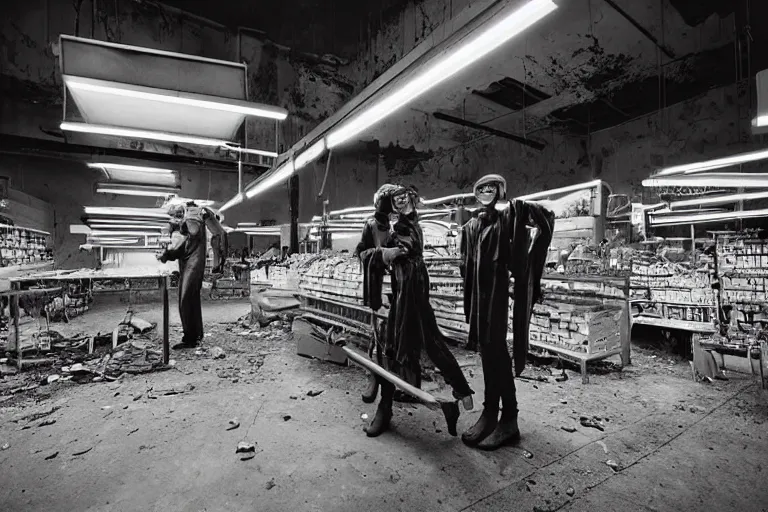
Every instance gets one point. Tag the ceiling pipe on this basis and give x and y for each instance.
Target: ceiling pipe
(469, 124)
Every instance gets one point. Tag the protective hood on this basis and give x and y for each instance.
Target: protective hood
(382, 199)
(493, 178)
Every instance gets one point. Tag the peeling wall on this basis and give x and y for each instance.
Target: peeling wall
(713, 125)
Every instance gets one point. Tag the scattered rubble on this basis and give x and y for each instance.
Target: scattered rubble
(570, 430)
(52, 456)
(315, 392)
(233, 424)
(592, 422)
(83, 452)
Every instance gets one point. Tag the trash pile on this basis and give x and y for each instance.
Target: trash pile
(129, 349)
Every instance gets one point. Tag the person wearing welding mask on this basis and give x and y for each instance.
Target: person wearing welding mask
(188, 247)
(499, 241)
(411, 323)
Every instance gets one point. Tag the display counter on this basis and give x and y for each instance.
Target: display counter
(581, 319)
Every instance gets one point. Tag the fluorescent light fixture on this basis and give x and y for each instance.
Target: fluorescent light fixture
(124, 226)
(718, 163)
(110, 243)
(726, 180)
(707, 217)
(97, 234)
(264, 232)
(281, 174)
(563, 190)
(131, 133)
(261, 152)
(132, 168)
(239, 108)
(354, 209)
(761, 121)
(468, 52)
(239, 198)
(135, 190)
(121, 222)
(446, 199)
(716, 200)
(116, 240)
(310, 154)
(116, 211)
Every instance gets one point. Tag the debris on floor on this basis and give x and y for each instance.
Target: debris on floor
(592, 422)
(233, 424)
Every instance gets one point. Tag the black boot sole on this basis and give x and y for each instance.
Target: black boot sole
(452, 412)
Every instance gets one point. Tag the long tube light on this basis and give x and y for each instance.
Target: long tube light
(132, 168)
(239, 198)
(717, 200)
(447, 199)
(717, 163)
(563, 190)
(124, 226)
(117, 131)
(178, 138)
(122, 240)
(247, 151)
(733, 180)
(126, 233)
(708, 217)
(278, 114)
(146, 222)
(310, 154)
(135, 190)
(469, 52)
(125, 212)
(281, 174)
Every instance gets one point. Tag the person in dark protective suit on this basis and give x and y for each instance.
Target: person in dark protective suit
(494, 243)
(189, 249)
(376, 234)
(411, 323)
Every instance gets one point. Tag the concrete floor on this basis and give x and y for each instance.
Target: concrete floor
(676, 445)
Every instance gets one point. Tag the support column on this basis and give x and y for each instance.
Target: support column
(294, 202)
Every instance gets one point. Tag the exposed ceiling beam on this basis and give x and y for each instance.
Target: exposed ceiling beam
(469, 124)
(664, 48)
(29, 146)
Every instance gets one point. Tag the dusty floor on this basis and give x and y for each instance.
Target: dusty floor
(673, 445)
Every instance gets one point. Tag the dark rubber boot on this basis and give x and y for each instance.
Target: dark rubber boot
(372, 391)
(452, 412)
(506, 432)
(485, 425)
(380, 423)
(466, 400)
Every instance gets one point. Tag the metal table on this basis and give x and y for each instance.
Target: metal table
(123, 281)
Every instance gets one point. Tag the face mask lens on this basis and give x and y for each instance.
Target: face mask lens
(486, 194)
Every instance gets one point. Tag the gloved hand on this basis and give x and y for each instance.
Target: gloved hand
(390, 254)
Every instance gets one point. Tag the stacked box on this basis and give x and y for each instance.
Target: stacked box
(21, 246)
(579, 328)
(743, 266)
